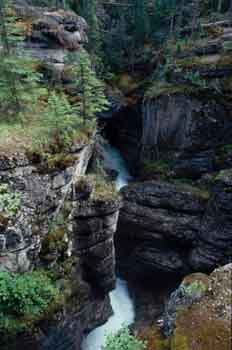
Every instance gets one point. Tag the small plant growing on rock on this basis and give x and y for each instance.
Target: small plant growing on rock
(84, 187)
(9, 202)
(123, 340)
(195, 288)
(103, 190)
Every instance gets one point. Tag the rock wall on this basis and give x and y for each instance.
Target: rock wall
(94, 225)
(89, 227)
(40, 191)
(187, 131)
(173, 229)
(50, 33)
(69, 331)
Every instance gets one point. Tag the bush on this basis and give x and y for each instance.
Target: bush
(9, 202)
(58, 124)
(123, 340)
(195, 288)
(25, 299)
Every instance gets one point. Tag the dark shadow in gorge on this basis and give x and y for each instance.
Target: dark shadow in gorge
(123, 130)
(149, 292)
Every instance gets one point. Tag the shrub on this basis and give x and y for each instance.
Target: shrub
(195, 288)
(58, 123)
(123, 340)
(25, 299)
(9, 202)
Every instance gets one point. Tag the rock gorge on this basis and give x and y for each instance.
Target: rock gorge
(173, 220)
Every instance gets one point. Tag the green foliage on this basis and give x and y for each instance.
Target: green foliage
(195, 288)
(195, 79)
(90, 97)
(58, 123)
(9, 202)
(123, 340)
(54, 241)
(25, 299)
(19, 88)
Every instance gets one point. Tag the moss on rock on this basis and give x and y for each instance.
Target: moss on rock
(206, 324)
(198, 328)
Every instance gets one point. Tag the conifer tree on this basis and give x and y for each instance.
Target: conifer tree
(91, 95)
(58, 122)
(18, 79)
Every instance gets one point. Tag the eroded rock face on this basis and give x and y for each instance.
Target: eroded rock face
(188, 128)
(50, 36)
(88, 235)
(39, 192)
(94, 311)
(173, 229)
(94, 225)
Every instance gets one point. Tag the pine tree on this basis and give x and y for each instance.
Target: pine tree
(18, 79)
(91, 95)
(58, 122)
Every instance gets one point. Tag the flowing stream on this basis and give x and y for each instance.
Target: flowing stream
(121, 302)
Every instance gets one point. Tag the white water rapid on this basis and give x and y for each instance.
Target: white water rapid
(121, 302)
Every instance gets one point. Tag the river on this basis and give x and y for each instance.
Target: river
(121, 301)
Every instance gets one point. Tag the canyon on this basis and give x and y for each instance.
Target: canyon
(158, 238)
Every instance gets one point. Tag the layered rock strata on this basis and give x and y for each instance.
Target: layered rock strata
(173, 228)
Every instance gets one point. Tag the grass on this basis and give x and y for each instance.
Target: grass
(104, 190)
(14, 138)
